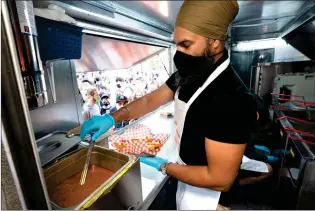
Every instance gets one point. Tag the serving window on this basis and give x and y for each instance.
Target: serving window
(120, 71)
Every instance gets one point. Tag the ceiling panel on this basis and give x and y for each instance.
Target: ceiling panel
(260, 19)
(266, 19)
(260, 28)
(99, 54)
(255, 11)
(256, 19)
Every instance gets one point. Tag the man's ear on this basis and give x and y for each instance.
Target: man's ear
(216, 44)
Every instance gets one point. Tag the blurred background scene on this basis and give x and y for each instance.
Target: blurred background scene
(113, 73)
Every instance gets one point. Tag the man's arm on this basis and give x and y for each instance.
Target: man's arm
(145, 104)
(223, 164)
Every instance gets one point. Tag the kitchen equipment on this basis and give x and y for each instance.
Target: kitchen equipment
(302, 84)
(54, 145)
(86, 165)
(122, 166)
(262, 77)
(301, 107)
(23, 24)
(297, 141)
(283, 102)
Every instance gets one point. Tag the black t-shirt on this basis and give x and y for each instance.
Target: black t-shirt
(223, 112)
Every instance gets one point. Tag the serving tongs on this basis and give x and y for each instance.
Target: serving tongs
(87, 161)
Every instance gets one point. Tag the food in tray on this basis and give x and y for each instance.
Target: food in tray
(147, 145)
(70, 193)
(139, 140)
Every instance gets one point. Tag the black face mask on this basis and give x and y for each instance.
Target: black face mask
(118, 86)
(106, 104)
(193, 68)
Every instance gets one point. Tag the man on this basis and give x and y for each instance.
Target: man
(103, 90)
(105, 104)
(91, 107)
(120, 82)
(138, 94)
(205, 89)
(121, 101)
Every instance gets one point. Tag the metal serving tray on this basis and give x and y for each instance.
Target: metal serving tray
(67, 167)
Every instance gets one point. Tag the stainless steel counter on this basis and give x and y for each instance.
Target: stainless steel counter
(158, 124)
(153, 180)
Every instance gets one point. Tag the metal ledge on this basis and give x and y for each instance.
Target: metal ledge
(118, 34)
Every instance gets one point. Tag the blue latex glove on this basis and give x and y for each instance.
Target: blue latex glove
(272, 159)
(263, 148)
(281, 151)
(154, 162)
(97, 125)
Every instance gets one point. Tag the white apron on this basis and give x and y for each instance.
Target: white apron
(189, 197)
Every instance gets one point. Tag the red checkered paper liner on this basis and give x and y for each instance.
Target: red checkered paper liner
(140, 132)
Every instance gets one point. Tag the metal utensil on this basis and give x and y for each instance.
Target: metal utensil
(144, 155)
(87, 162)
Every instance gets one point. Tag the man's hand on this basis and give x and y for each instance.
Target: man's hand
(97, 125)
(223, 164)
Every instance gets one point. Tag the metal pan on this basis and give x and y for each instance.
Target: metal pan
(71, 165)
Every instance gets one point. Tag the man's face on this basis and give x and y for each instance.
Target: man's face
(138, 95)
(190, 43)
(104, 100)
(122, 103)
(96, 95)
(194, 44)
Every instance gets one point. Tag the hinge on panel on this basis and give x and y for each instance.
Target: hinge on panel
(51, 78)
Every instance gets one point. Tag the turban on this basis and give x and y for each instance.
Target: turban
(209, 19)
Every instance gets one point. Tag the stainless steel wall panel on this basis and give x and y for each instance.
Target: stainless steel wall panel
(62, 115)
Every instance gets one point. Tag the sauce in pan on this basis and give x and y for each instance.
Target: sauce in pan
(70, 192)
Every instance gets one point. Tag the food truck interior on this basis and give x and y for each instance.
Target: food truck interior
(55, 52)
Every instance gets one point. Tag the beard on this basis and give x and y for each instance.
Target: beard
(193, 69)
